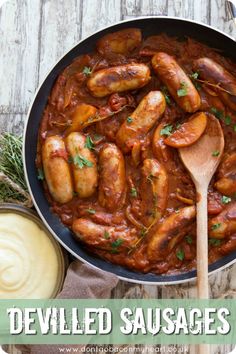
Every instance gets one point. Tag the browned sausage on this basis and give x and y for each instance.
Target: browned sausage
(141, 120)
(83, 164)
(153, 190)
(224, 224)
(170, 231)
(216, 74)
(121, 42)
(118, 79)
(111, 238)
(57, 170)
(112, 182)
(177, 82)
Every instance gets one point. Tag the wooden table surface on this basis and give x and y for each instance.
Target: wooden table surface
(35, 33)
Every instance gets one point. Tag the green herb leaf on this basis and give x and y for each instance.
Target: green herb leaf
(225, 199)
(178, 125)
(194, 76)
(40, 174)
(166, 94)
(216, 226)
(91, 211)
(227, 120)
(80, 161)
(129, 120)
(89, 143)
(182, 91)
(235, 128)
(214, 242)
(180, 254)
(133, 192)
(106, 235)
(189, 239)
(216, 153)
(116, 244)
(218, 114)
(87, 71)
(167, 130)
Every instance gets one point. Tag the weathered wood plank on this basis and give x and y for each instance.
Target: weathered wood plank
(12, 122)
(133, 8)
(60, 30)
(98, 14)
(219, 17)
(189, 9)
(19, 29)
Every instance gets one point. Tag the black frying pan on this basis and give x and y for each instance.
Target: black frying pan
(149, 26)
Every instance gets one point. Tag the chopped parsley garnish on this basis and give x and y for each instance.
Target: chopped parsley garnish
(166, 94)
(133, 192)
(167, 130)
(180, 254)
(40, 174)
(182, 91)
(194, 76)
(216, 226)
(189, 239)
(225, 199)
(87, 70)
(227, 120)
(89, 143)
(91, 211)
(216, 153)
(214, 242)
(178, 125)
(218, 114)
(115, 244)
(106, 235)
(129, 120)
(80, 161)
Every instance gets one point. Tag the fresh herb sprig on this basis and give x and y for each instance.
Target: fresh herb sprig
(13, 187)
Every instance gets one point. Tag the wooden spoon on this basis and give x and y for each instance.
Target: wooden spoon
(201, 159)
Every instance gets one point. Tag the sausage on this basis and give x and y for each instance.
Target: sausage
(84, 165)
(216, 74)
(118, 79)
(120, 42)
(81, 117)
(175, 79)
(56, 169)
(153, 190)
(224, 224)
(226, 184)
(170, 231)
(112, 182)
(189, 132)
(141, 120)
(110, 238)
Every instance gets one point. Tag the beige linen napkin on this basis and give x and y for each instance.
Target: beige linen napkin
(81, 282)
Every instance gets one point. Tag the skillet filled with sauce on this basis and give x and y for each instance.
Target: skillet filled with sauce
(108, 148)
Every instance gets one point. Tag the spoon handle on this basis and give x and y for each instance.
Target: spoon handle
(202, 251)
(202, 242)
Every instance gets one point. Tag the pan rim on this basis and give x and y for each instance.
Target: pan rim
(182, 277)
